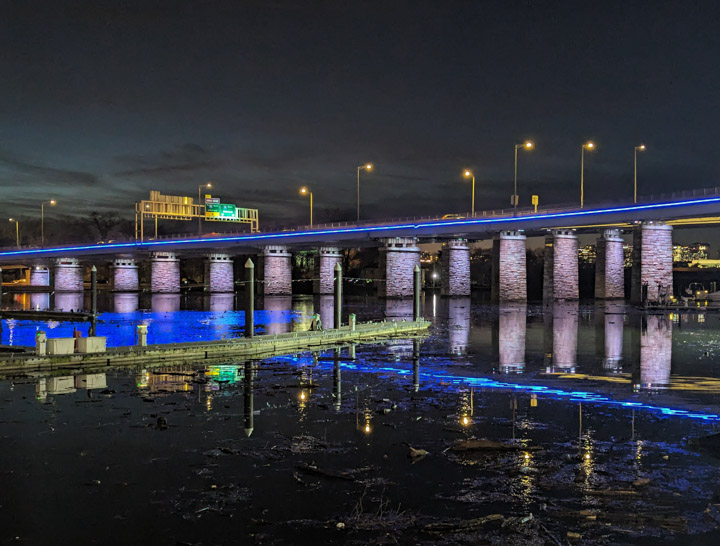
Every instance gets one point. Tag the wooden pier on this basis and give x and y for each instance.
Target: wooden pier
(264, 346)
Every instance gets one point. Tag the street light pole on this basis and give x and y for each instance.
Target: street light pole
(200, 187)
(528, 146)
(17, 231)
(642, 149)
(588, 145)
(368, 167)
(42, 219)
(469, 174)
(305, 191)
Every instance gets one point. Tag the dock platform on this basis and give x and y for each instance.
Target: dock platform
(244, 348)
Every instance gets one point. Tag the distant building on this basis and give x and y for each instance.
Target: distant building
(587, 254)
(627, 255)
(690, 253)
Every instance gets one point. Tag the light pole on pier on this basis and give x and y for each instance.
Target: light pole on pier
(470, 174)
(305, 191)
(527, 145)
(52, 202)
(642, 149)
(200, 187)
(17, 231)
(589, 145)
(368, 167)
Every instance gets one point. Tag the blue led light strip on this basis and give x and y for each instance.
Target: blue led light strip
(487, 383)
(369, 229)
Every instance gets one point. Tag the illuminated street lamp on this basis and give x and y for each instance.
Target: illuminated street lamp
(368, 167)
(642, 149)
(17, 231)
(470, 174)
(200, 187)
(52, 202)
(527, 145)
(589, 145)
(305, 191)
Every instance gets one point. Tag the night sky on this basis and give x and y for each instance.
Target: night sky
(102, 102)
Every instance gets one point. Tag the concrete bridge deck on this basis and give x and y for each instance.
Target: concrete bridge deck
(479, 227)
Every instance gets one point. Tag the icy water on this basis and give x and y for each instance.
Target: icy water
(509, 424)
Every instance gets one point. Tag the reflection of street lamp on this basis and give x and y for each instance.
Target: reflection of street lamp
(527, 145)
(368, 167)
(642, 149)
(42, 219)
(17, 232)
(305, 191)
(470, 174)
(587, 146)
(200, 187)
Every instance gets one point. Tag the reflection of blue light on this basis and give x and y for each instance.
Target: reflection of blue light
(487, 383)
(368, 229)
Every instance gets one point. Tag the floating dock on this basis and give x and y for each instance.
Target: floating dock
(244, 348)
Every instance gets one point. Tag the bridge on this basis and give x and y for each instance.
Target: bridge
(651, 222)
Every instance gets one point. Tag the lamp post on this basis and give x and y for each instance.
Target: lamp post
(368, 167)
(587, 146)
(470, 174)
(200, 187)
(305, 191)
(642, 149)
(17, 231)
(52, 202)
(527, 145)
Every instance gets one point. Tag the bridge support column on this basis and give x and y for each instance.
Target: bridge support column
(327, 258)
(560, 273)
(610, 266)
(165, 273)
(277, 271)
(455, 268)
(125, 275)
(509, 273)
(39, 276)
(68, 275)
(219, 273)
(398, 257)
(652, 276)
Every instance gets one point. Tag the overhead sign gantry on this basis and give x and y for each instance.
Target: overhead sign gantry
(178, 207)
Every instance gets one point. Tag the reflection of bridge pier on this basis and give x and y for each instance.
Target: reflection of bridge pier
(652, 369)
(458, 325)
(564, 333)
(277, 313)
(609, 327)
(512, 326)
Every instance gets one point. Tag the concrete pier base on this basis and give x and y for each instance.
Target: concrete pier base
(276, 271)
(610, 266)
(652, 277)
(398, 259)
(68, 275)
(125, 275)
(560, 273)
(165, 273)
(509, 272)
(219, 273)
(40, 276)
(455, 268)
(327, 258)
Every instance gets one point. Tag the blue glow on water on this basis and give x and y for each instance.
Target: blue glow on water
(360, 230)
(119, 328)
(444, 379)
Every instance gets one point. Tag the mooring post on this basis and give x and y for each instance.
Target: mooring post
(416, 365)
(338, 295)
(249, 298)
(93, 300)
(1, 293)
(416, 293)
